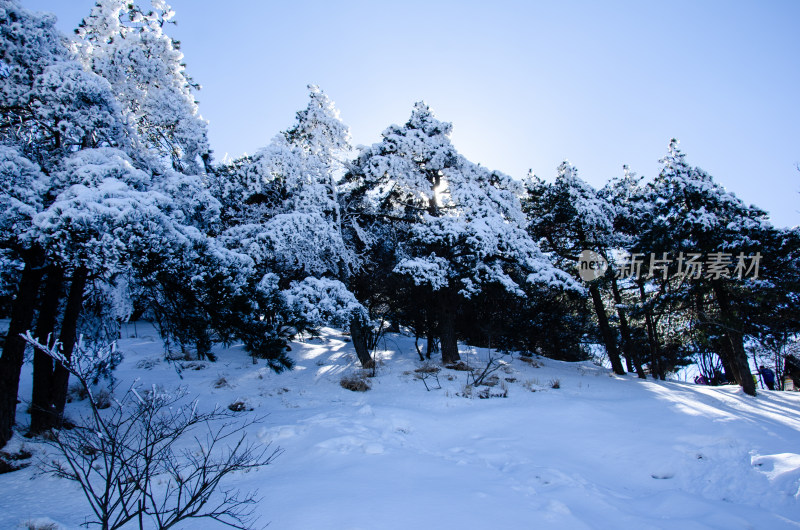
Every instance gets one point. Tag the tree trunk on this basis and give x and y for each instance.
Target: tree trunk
(718, 343)
(43, 415)
(430, 334)
(447, 331)
(69, 334)
(724, 350)
(22, 312)
(359, 337)
(656, 368)
(606, 331)
(739, 361)
(631, 358)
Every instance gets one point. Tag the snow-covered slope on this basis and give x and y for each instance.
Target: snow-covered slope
(601, 451)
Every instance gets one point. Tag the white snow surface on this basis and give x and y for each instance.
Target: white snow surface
(601, 451)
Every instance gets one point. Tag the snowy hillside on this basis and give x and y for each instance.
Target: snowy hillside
(600, 451)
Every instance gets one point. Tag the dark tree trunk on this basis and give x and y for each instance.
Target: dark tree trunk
(725, 353)
(358, 330)
(631, 358)
(69, 334)
(739, 361)
(22, 312)
(447, 331)
(359, 336)
(717, 341)
(203, 345)
(430, 343)
(656, 367)
(43, 415)
(605, 330)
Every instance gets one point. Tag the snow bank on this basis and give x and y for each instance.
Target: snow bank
(600, 451)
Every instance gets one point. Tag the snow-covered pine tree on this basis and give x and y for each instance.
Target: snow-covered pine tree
(478, 240)
(114, 226)
(128, 46)
(321, 132)
(624, 193)
(322, 136)
(460, 226)
(691, 213)
(570, 216)
(91, 207)
(387, 189)
(21, 189)
(280, 207)
(51, 107)
(281, 204)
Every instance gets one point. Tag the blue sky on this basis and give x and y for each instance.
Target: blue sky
(526, 84)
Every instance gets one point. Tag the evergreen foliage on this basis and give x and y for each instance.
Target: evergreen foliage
(112, 208)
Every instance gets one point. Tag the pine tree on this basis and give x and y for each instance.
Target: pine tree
(281, 208)
(571, 216)
(50, 108)
(460, 227)
(691, 213)
(21, 190)
(130, 49)
(624, 194)
(89, 206)
(281, 205)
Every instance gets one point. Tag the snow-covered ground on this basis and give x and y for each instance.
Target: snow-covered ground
(599, 452)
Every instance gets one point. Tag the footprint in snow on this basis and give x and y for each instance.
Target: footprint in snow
(663, 476)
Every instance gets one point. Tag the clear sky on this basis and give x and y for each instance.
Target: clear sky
(526, 84)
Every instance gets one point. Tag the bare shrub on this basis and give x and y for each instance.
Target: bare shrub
(76, 392)
(531, 384)
(530, 360)
(102, 399)
(427, 368)
(222, 382)
(481, 377)
(128, 466)
(460, 366)
(147, 364)
(555, 383)
(355, 382)
(239, 406)
(194, 365)
(427, 372)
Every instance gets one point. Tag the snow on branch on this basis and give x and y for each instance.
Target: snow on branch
(429, 270)
(87, 361)
(322, 301)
